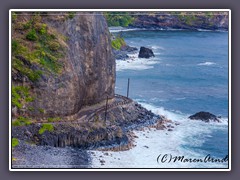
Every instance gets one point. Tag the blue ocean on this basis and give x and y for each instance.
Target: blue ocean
(188, 74)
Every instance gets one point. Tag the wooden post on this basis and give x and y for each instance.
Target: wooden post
(128, 87)
(106, 110)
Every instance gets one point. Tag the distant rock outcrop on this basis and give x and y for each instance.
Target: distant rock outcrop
(204, 116)
(145, 53)
(182, 20)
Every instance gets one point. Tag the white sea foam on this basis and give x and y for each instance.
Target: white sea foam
(204, 30)
(119, 29)
(135, 63)
(151, 143)
(206, 64)
(182, 98)
(157, 47)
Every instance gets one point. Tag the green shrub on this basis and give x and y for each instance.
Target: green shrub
(41, 28)
(16, 123)
(32, 35)
(34, 75)
(46, 127)
(20, 95)
(21, 121)
(15, 142)
(71, 14)
(118, 43)
(15, 45)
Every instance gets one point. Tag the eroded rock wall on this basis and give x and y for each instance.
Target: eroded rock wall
(88, 66)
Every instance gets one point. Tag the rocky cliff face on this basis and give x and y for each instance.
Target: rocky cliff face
(87, 66)
(181, 20)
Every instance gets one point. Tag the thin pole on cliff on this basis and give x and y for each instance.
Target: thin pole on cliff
(106, 110)
(128, 87)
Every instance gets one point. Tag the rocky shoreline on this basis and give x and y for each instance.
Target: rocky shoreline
(72, 145)
(78, 137)
(123, 52)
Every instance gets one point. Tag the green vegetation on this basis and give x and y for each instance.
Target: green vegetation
(187, 18)
(32, 35)
(20, 96)
(41, 110)
(21, 121)
(53, 119)
(15, 142)
(14, 16)
(42, 50)
(118, 43)
(71, 14)
(27, 25)
(41, 28)
(118, 18)
(54, 46)
(46, 127)
(209, 14)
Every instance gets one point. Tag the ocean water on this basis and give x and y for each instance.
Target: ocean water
(188, 74)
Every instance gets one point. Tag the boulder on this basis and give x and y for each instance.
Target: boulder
(145, 53)
(204, 116)
(120, 55)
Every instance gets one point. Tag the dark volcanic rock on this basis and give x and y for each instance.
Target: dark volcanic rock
(122, 54)
(129, 49)
(89, 135)
(145, 53)
(204, 116)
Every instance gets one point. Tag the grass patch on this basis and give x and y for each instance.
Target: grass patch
(20, 96)
(32, 75)
(71, 14)
(46, 127)
(15, 142)
(21, 121)
(32, 35)
(42, 51)
(118, 43)
(41, 110)
(55, 119)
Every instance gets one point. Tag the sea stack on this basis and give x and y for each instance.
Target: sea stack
(145, 53)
